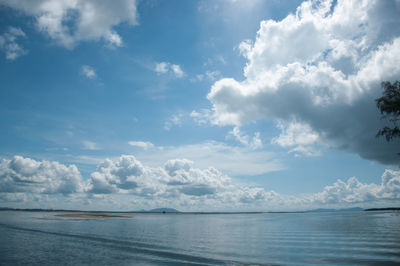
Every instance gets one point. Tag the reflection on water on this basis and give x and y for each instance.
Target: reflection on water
(213, 239)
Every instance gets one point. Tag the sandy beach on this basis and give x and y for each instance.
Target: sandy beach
(86, 215)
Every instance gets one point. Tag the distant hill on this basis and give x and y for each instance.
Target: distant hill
(164, 210)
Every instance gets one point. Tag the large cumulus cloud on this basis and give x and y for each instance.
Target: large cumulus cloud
(125, 183)
(353, 191)
(177, 178)
(319, 69)
(177, 182)
(27, 175)
(69, 22)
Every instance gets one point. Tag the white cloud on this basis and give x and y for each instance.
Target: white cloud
(209, 75)
(202, 117)
(89, 72)
(221, 59)
(117, 183)
(90, 145)
(166, 67)
(297, 135)
(8, 43)
(114, 176)
(142, 144)
(70, 22)
(212, 75)
(177, 180)
(174, 120)
(162, 67)
(321, 67)
(13, 197)
(199, 77)
(177, 70)
(172, 166)
(353, 191)
(26, 175)
(254, 143)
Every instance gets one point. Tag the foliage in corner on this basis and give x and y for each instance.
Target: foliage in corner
(389, 106)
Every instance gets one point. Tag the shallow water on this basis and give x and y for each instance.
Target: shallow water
(346, 238)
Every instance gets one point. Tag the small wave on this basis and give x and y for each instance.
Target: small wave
(284, 248)
(155, 251)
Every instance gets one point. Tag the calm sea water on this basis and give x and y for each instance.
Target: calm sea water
(346, 238)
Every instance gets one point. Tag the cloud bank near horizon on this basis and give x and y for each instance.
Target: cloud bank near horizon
(125, 183)
(317, 73)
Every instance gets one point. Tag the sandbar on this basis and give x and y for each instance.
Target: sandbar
(88, 215)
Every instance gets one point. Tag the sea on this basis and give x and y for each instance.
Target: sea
(321, 238)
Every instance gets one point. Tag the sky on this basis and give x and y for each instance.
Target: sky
(223, 105)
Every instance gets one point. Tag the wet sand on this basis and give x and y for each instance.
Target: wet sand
(87, 215)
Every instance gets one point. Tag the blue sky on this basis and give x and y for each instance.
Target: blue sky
(198, 105)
